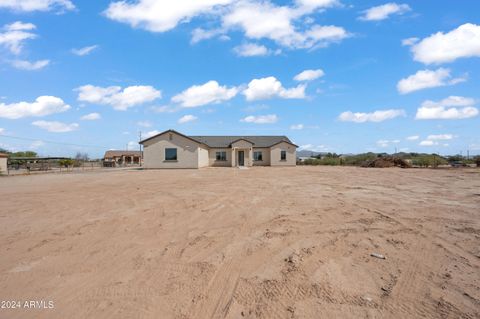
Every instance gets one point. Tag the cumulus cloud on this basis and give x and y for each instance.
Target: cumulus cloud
(36, 5)
(309, 75)
(151, 133)
(384, 11)
(251, 49)
(15, 34)
(433, 139)
(160, 16)
(56, 127)
(260, 119)
(451, 108)
(187, 118)
(462, 42)
(426, 79)
(377, 116)
(297, 127)
(264, 20)
(43, 105)
(409, 41)
(91, 117)
(270, 87)
(387, 143)
(413, 138)
(210, 92)
(117, 98)
(30, 66)
(258, 20)
(85, 50)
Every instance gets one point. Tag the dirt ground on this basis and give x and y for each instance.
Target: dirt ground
(227, 243)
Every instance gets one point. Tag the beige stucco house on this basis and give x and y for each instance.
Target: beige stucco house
(3, 164)
(171, 149)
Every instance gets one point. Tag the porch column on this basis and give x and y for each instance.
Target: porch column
(233, 157)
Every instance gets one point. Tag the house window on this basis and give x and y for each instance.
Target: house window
(257, 156)
(170, 154)
(283, 155)
(221, 156)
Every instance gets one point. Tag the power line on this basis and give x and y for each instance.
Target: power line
(51, 142)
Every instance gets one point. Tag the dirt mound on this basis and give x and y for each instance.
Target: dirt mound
(382, 162)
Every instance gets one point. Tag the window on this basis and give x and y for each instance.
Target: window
(170, 154)
(221, 156)
(257, 156)
(283, 155)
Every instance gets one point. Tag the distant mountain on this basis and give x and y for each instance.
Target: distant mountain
(307, 153)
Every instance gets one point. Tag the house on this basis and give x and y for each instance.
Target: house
(3, 164)
(122, 158)
(171, 149)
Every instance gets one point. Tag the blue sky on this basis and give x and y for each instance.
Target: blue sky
(379, 75)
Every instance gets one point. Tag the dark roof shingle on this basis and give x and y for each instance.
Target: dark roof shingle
(226, 141)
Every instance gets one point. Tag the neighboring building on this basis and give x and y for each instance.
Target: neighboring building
(122, 158)
(171, 149)
(3, 164)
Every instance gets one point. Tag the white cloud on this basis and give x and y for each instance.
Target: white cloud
(377, 116)
(85, 50)
(165, 109)
(384, 11)
(410, 41)
(37, 144)
(210, 92)
(2, 130)
(116, 97)
(261, 119)
(200, 34)
(187, 118)
(442, 137)
(309, 75)
(427, 143)
(36, 5)
(297, 127)
(451, 108)
(462, 42)
(43, 105)
(150, 134)
(160, 16)
(56, 127)
(285, 25)
(264, 20)
(426, 79)
(269, 87)
(15, 35)
(30, 66)
(387, 143)
(91, 117)
(432, 140)
(413, 138)
(144, 123)
(251, 49)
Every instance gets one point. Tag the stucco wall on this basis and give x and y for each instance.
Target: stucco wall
(3, 165)
(213, 157)
(203, 159)
(154, 152)
(275, 155)
(265, 156)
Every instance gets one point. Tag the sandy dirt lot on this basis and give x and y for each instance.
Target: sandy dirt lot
(256, 243)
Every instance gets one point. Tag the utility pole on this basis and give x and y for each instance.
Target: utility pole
(139, 140)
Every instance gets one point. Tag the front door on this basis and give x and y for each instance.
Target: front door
(241, 158)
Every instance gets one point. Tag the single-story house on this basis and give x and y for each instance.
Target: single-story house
(171, 149)
(122, 158)
(3, 164)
